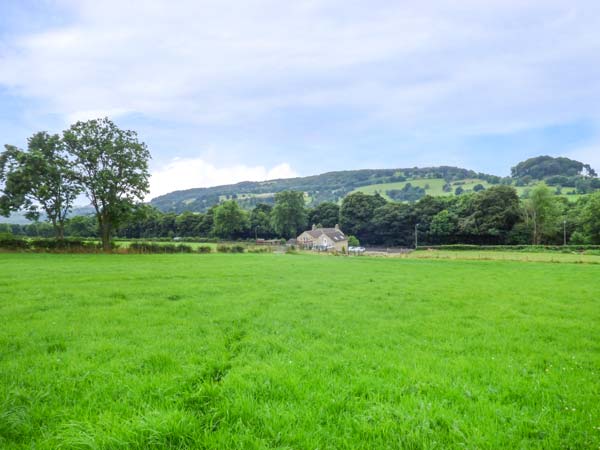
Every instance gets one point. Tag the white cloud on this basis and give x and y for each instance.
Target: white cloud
(187, 173)
(409, 62)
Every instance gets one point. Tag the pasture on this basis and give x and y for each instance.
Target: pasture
(297, 351)
(434, 187)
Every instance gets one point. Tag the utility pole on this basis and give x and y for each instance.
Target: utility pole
(564, 232)
(416, 235)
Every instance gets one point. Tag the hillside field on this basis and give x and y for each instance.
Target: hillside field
(434, 187)
(297, 351)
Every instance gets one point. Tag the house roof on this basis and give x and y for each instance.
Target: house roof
(333, 233)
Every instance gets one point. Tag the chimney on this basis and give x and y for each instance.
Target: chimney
(337, 226)
(314, 227)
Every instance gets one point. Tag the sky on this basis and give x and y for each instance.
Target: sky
(224, 91)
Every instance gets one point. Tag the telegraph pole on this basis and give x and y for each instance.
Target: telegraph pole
(564, 232)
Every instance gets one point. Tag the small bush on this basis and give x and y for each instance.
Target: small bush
(262, 249)
(235, 248)
(10, 242)
(204, 249)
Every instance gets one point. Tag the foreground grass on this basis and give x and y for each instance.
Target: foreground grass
(296, 351)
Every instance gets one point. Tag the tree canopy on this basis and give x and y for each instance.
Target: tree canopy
(39, 180)
(112, 166)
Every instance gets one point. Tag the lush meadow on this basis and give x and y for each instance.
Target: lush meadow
(297, 351)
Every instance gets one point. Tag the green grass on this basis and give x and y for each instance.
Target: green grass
(436, 187)
(296, 351)
(505, 255)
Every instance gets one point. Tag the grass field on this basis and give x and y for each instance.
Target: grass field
(436, 187)
(490, 255)
(297, 351)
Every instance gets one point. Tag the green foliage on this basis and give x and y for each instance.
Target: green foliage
(542, 167)
(38, 180)
(230, 221)
(326, 214)
(408, 193)
(357, 212)
(154, 247)
(493, 212)
(591, 218)
(226, 351)
(112, 166)
(542, 212)
(10, 242)
(289, 216)
(235, 248)
(353, 241)
(260, 221)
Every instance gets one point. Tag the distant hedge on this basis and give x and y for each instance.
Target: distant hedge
(43, 245)
(153, 247)
(236, 248)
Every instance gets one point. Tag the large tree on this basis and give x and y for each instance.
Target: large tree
(230, 221)
(326, 214)
(494, 213)
(38, 180)
(591, 218)
(392, 224)
(288, 217)
(260, 221)
(356, 214)
(541, 212)
(112, 166)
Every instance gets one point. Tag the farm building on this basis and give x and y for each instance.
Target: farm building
(323, 239)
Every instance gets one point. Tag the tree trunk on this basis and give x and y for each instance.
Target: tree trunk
(105, 232)
(59, 229)
(60, 232)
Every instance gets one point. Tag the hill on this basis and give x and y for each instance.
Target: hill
(330, 186)
(570, 178)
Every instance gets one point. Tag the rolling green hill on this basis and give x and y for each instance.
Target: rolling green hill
(331, 186)
(569, 178)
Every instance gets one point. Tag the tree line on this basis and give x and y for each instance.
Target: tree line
(94, 158)
(495, 216)
(110, 167)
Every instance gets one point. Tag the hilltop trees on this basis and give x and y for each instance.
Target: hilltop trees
(39, 180)
(542, 167)
(112, 166)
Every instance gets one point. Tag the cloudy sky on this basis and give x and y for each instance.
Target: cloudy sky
(224, 91)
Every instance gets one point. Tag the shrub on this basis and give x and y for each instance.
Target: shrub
(204, 249)
(9, 242)
(221, 248)
(353, 241)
